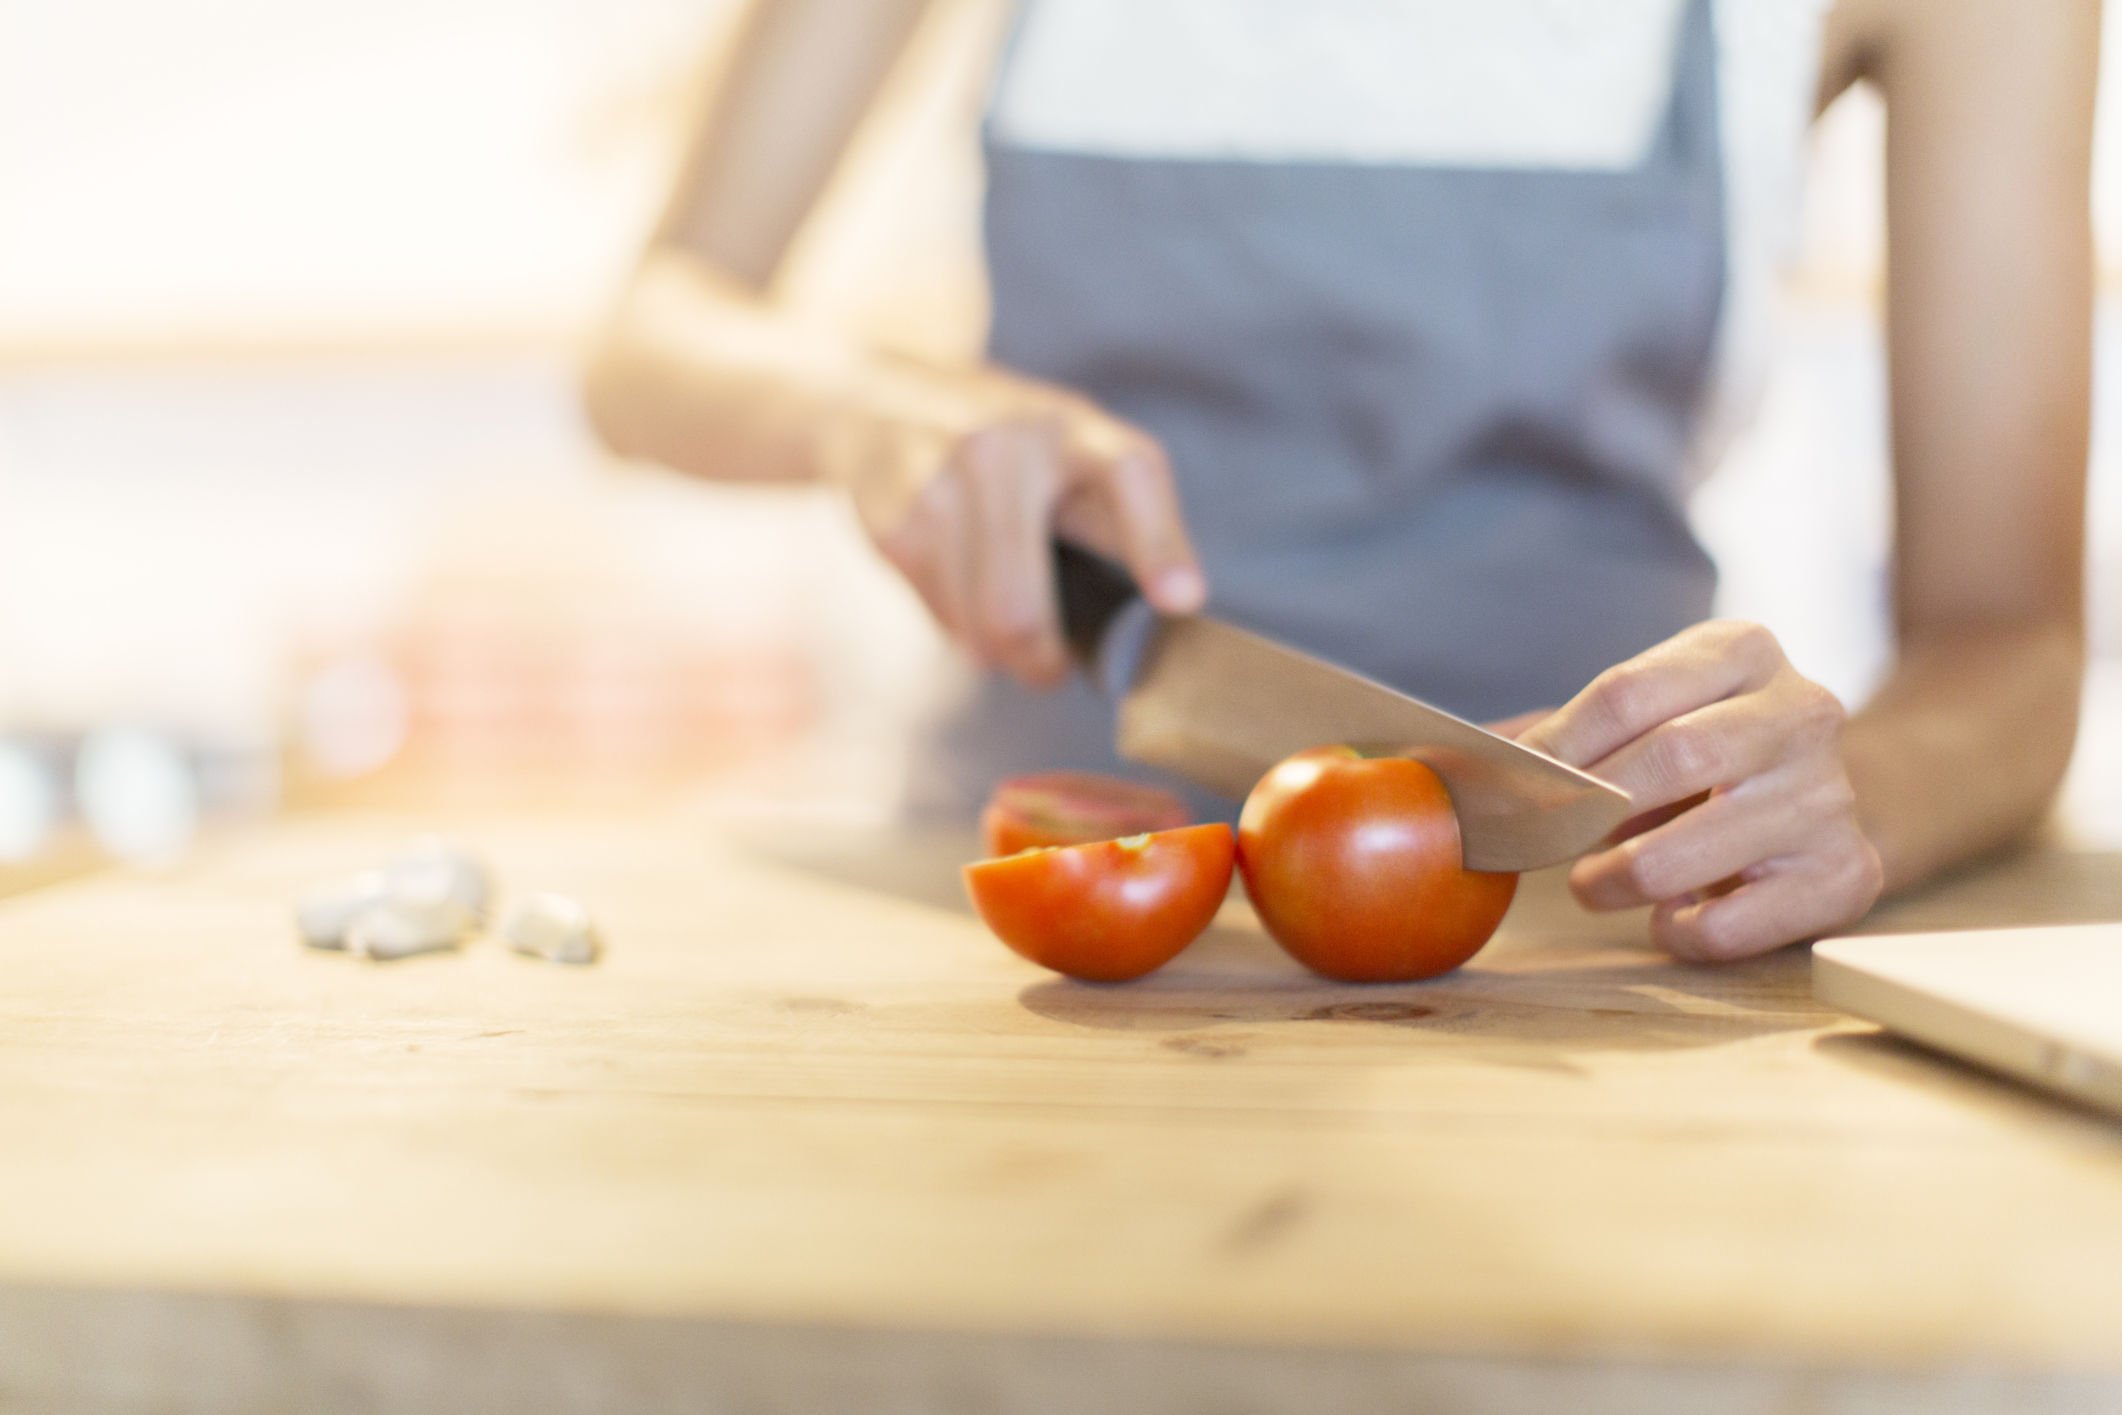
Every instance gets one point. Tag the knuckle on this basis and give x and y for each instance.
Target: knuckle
(1687, 759)
(992, 450)
(1750, 640)
(1615, 698)
(1644, 871)
(1715, 939)
(1718, 936)
(1835, 798)
(1147, 457)
(1820, 713)
(1060, 403)
(975, 448)
(1133, 470)
(1010, 630)
(1678, 934)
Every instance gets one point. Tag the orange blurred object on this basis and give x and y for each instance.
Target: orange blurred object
(539, 662)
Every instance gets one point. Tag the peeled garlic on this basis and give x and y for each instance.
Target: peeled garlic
(325, 916)
(431, 869)
(553, 927)
(398, 928)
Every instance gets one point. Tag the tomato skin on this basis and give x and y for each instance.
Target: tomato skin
(1353, 864)
(1051, 808)
(1110, 910)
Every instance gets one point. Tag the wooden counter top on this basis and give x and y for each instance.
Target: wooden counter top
(809, 1140)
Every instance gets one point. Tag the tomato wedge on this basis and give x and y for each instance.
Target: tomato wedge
(1074, 808)
(1110, 910)
(1354, 866)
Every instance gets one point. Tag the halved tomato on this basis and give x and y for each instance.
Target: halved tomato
(1110, 910)
(1074, 808)
(1354, 866)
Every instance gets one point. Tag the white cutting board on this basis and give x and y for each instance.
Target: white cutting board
(2041, 1004)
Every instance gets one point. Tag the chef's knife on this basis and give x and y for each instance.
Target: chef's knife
(1219, 706)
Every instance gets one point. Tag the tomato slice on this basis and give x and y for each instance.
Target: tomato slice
(1074, 808)
(1111, 910)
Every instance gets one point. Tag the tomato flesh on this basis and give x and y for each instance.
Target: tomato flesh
(1110, 910)
(1354, 866)
(1074, 808)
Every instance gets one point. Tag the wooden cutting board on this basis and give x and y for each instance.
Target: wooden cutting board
(808, 1140)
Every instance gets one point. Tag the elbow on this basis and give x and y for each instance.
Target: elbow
(603, 386)
(2063, 659)
(2049, 666)
(617, 379)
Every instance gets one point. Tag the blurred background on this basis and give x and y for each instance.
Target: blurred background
(297, 505)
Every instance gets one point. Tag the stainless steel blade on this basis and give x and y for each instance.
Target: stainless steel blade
(1219, 706)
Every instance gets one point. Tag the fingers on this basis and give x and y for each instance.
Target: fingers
(1127, 472)
(1693, 669)
(923, 549)
(1747, 833)
(1718, 745)
(1011, 479)
(1799, 818)
(1697, 849)
(1782, 903)
(976, 543)
(1650, 820)
(974, 547)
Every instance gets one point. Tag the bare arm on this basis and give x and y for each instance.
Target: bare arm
(1768, 817)
(1989, 336)
(960, 474)
(696, 368)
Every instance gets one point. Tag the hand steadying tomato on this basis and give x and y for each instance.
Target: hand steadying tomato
(1749, 834)
(1354, 866)
(1108, 911)
(1073, 808)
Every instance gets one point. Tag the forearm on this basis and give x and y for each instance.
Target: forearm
(700, 375)
(1963, 747)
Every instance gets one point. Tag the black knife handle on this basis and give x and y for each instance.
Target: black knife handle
(1091, 591)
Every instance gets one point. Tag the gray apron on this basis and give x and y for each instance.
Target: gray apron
(1429, 422)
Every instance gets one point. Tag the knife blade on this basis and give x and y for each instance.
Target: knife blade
(1219, 705)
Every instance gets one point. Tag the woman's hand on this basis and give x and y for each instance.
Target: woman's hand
(964, 483)
(1747, 835)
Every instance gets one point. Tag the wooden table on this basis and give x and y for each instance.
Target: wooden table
(809, 1141)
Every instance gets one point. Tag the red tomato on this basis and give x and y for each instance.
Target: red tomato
(1074, 808)
(1107, 911)
(1353, 864)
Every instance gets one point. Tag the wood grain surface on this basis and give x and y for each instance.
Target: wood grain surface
(808, 1140)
